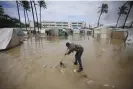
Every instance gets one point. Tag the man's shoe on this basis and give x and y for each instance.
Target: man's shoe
(80, 69)
(75, 63)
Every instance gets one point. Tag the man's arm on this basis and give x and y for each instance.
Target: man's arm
(71, 50)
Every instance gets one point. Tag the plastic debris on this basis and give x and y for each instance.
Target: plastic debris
(89, 82)
(74, 70)
(113, 86)
(106, 85)
(44, 65)
(62, 71)
(52, 67)
(103, 49)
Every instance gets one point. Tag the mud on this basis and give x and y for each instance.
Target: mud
(107, 64)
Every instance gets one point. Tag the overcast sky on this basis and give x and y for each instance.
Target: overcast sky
(72, 11)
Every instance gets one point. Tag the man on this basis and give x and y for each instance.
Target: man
(79, 50)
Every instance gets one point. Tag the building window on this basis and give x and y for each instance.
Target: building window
(58, 22)
(65, 25)
(65, 22)
(52, 25)
(74, 23)
(79, 23)
(59, 25)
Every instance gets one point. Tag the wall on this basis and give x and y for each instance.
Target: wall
(118, 35)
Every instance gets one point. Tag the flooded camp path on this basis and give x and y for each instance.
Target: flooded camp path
(107, 64)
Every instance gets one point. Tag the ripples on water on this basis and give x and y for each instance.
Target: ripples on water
(105, 61)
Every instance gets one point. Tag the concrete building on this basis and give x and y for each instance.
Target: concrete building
(61, 25)
(47, 25)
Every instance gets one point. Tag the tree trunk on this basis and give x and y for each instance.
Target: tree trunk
(99, 19)
(126, 37)
(36, 15)
(127, 16)
(25, 20)
(33, 15)
(18, 13)
(40, 19)
(118, 20)
(28, 19)
(131, 25)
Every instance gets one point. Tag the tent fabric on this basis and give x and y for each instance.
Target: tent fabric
(130, 36)
(19, 31)
(5, 37)
(9, 38)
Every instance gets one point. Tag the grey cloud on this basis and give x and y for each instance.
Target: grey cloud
(63, 10)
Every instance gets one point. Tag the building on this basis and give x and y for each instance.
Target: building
(61, 25)
(47, 25)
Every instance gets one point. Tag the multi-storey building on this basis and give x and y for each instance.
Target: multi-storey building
(61, 25)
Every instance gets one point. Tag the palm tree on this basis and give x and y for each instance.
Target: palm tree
(18, 12)
(1, 10)
(130, 3)
(28, 19)
(7, 21)
(24, 5)
(27, 8)
(33, 15)
(7, 17)
(122, 11)
(41, 4)
(15, 21)
(103, 9)
(36, 15)
(131, 24)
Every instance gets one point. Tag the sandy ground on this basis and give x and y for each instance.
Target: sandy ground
(107, 64)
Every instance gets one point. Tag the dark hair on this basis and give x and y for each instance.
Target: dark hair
(67, 44)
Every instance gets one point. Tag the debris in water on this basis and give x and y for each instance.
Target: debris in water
(106, 85)
(10, 66)
(44, 65)
(85, 76)
(113, 86)
(103, 49)
(74, 70)
(89, 82)
(62, 70)
(52, 67)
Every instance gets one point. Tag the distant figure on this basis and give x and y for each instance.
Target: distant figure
(49, 33)
(79, 50)
(66, 35)
(46, 33)
(80, 33)
(72, 32)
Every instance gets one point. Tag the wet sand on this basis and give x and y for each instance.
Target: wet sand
(107, 64)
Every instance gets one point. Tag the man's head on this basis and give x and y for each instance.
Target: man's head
(67, 44)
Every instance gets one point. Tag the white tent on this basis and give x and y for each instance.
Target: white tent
(130, 36)
(9, 37)
(102, 32)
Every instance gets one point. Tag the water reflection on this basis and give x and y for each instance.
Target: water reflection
(104, 60)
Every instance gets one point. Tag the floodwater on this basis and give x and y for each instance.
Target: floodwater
(108, 64)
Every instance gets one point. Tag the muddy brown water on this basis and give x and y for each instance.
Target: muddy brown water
(107, 64)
